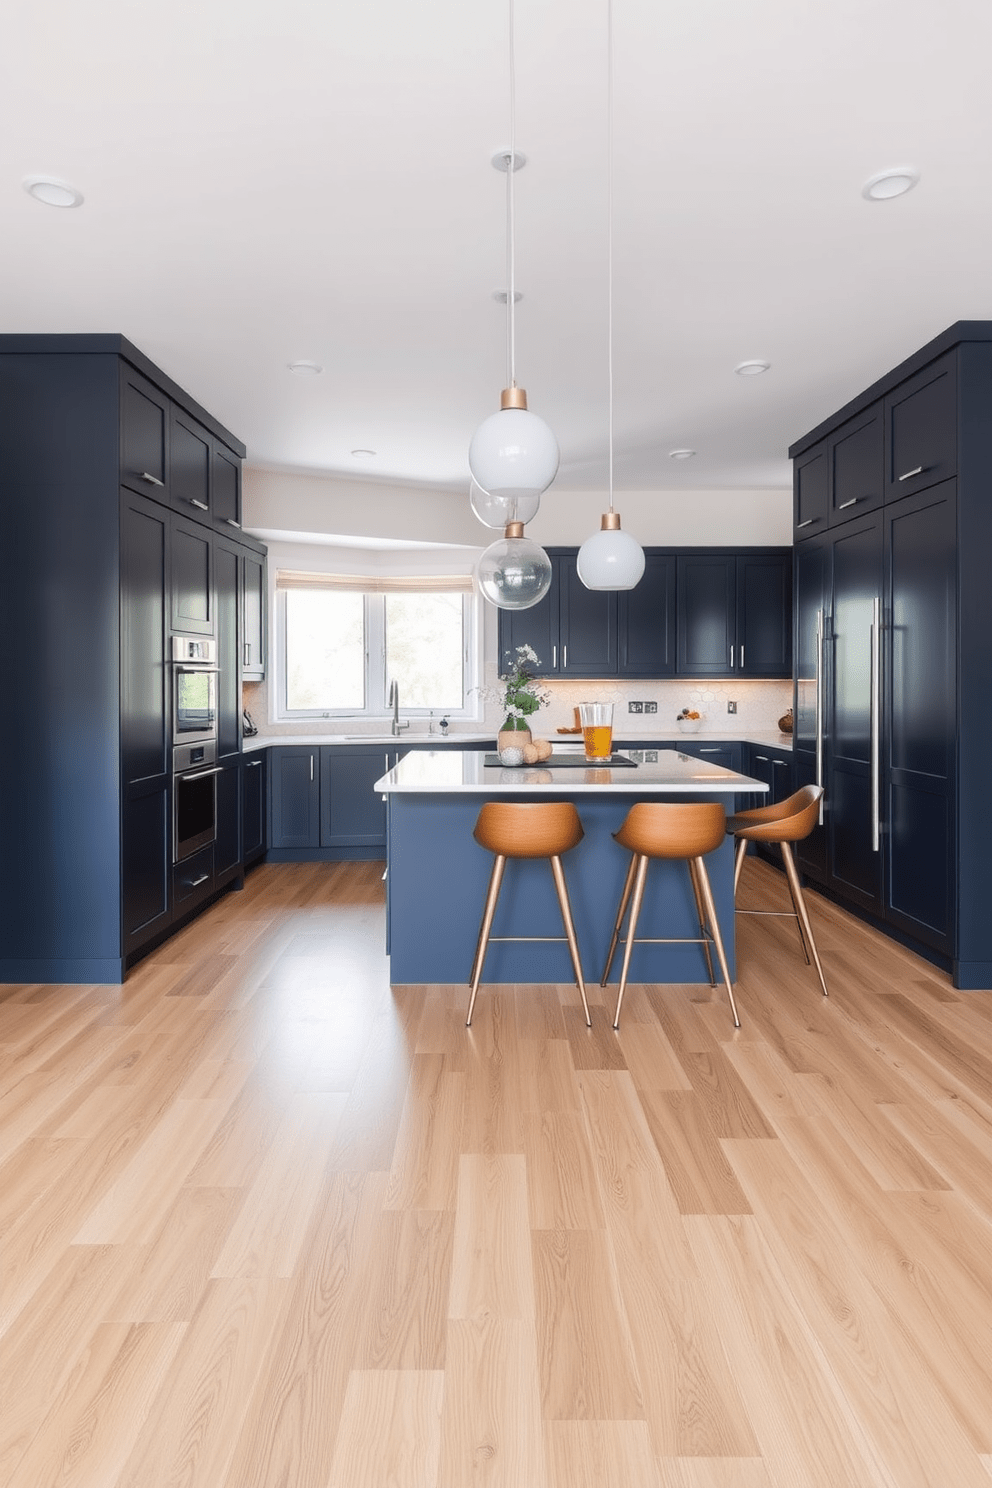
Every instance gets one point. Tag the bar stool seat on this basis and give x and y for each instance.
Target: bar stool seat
(784, 822)
(677, 831)
(538, 829)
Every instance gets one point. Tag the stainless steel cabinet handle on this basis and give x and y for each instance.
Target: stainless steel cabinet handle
(202, 774)
(554, 656)
(711, 750)
(763, 757)
(200, 505)
(819, 706)
(853, 502)
(731, 658)
(564, 657)
(876, 698)
(232, 523)
(247, 653)
(152, 480)
(311, 767)
(742, 658)
(918, 471)
(808, 523)
(253, 764)
(196, 882)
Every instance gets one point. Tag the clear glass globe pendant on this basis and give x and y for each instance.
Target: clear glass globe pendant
(513, 453)
(611, 558)
(497, 511)
(514, 573)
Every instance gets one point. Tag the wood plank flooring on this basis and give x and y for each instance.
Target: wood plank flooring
(266, 1222)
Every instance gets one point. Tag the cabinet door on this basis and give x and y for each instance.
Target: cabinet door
(920, 692)
(811, 491)
(536, 627)
(253, 806)
(587, 620)
(855, 866)
(727, 755)
(352, 814)
(189, 465)
(707, 606)
(145, 725)
(921, 430)
(294, 793)
(646, 620)
(192, 578)
(254, 598)
(227, 847)
(857, 466)
(764, 615)
(227, 581)
(225, 492)
(145, 413)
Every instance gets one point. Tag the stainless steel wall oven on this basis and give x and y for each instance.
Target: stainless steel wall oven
(194, 740)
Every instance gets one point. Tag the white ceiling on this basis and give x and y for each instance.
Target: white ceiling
(311, 179)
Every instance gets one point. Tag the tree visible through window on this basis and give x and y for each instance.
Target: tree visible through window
(424, 649)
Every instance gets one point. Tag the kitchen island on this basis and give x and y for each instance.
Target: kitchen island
(437, 875)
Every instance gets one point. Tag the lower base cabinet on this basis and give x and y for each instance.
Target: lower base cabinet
(774, 767)
(253, 779)
(227, 847)
(322, 805)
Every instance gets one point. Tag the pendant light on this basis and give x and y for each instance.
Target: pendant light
(513, 452)
(611, 558)
(497, 511)
(514, 573)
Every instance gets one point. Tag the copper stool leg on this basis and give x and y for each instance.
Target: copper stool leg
(624, 901)
(495, 879)
(566, 914)
(801, 911)
(707, 893)
(700, 917)
(635, 909)
(739, 857)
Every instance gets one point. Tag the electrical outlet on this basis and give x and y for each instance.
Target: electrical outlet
(731, 707)
(650, 707)
(635, 707)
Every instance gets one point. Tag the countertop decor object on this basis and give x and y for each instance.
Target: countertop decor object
(785, 722)
(519, 695)
(689, 721)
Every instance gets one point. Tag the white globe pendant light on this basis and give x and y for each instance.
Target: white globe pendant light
(514, 573)
(611, 558)
(513, 453)
(497, 511)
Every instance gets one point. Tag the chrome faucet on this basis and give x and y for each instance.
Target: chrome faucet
(394, 703)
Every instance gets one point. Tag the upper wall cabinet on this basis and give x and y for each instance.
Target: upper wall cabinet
(811, 491)
(699, 613)
(735, 613)
(921, 430)
(190, 455)
(145, 417)
(857, 467)
(225, 502)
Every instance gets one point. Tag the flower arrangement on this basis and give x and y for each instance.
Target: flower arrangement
(518, 695)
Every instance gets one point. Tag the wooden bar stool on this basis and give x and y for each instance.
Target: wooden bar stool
(539, 829)
(655, 829)
(785, 822)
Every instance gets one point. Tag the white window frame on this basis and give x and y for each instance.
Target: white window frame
(376, 682)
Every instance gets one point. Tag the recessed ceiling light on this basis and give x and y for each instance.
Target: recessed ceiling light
(363, 454)
(752, 368)
(52, 192)
(681, 454)
(305, 369)
(888, 183)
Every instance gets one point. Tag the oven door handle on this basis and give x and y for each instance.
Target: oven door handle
(194, 671)
(202, 774)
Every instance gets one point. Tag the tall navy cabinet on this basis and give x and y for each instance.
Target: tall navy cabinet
(121, 524)
(893, 605)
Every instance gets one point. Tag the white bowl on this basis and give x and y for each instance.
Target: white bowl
(688, 725)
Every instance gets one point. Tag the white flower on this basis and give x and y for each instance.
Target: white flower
(527, 653)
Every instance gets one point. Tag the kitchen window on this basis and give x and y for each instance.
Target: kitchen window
(346, 638)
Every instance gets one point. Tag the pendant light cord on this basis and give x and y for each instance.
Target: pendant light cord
(609, 214)
(511, 349)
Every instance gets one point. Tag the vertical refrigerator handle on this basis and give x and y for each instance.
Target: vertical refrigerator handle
(819, 706)
(876, 699)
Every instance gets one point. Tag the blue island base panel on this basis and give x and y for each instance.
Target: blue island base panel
(438, 879)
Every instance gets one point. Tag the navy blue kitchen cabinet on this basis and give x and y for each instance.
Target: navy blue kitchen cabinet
(646, 620)
(228, 863)
(774, 767)
(901, 736)
(294, 797)
(253, 805)
(253, 613)
(227, 562)
(698, 612)
(225, 488)
(352, 814)
(97, 564)
(811, 491)
(734, 616)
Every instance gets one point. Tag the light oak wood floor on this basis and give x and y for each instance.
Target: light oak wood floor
(267, 1223)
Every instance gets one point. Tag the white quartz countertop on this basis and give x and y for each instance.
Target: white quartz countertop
(768, 739)
(450, 772)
